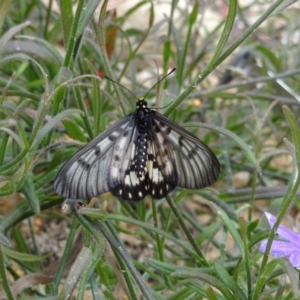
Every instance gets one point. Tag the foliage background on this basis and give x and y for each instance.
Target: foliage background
(195, 244)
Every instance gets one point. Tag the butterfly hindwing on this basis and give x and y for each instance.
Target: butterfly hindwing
(160, 184)
(100, 166)
(132, 187)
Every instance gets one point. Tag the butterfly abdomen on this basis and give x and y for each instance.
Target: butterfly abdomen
(141, 155)
(142, 121)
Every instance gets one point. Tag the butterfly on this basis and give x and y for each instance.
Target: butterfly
(142, 153)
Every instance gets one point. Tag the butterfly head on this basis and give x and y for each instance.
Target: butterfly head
(141, 103)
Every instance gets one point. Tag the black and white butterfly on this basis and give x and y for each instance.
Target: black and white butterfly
(143, 153)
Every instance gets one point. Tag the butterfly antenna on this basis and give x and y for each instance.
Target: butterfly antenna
(149, 89)
(159, 82)
(122, 86)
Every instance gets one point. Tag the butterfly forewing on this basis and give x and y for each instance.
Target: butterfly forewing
(100, 166)
(194, 164)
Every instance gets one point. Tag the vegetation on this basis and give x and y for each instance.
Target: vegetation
(195, 244)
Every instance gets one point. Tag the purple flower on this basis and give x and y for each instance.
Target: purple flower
(288, 244)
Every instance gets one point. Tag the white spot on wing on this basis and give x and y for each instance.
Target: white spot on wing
(160, 137)
(122, 142)
(156, 175)
(115, 172)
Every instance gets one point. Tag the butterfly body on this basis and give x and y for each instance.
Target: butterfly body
(143, 153)
(142, 123)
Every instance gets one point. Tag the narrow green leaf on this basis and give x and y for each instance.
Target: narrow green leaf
(93, 213)
(4, 279)
(267, 275)
(15, 161)
(8, 188)
(21, 133)
(49, 46)
(74, 131)
(211, 294)
(30, 193)
(81, 104)
(194, 13)
(228, 281)
(51, 124)
(97, 101)
(230, 224)
(13, 135)
(183, 293)
(66, 18)
(19, 256)
(11, 33)
(295, 130)
(3, 144)
(166, 53)
(86, 16)
(4, 241)
(270, 56)
(208, 279)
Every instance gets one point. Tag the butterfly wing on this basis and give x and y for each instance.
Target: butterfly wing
(182, 159)
(101, 165)
(132, 187)
(107, 163)
(161, 176)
